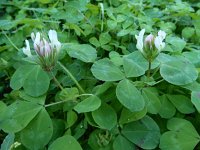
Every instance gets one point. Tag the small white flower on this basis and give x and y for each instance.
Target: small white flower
(159, 44)
(54, 40)
(27, 50)
(139, 38)
(37, 38)
(162, 34)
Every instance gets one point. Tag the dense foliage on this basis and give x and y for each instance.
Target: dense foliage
(101, 94)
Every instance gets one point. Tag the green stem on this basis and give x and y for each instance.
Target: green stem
(60, 102)
(149, 70)
(56, 81)
(11, 41)
(71, 76)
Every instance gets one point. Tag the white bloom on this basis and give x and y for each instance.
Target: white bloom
(26, 50)
(139, 38)
(159, 44)
(54, 40)
(37, 38)
(162, 34)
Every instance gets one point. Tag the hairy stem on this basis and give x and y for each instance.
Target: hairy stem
(60, 102)
(71, 76)
(56, 81)
(149, 70)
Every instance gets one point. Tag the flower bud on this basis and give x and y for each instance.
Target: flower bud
(149, 41)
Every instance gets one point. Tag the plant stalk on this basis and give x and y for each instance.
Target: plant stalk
(60, 102)
(56, 81)
(71, 76)
(149, 70)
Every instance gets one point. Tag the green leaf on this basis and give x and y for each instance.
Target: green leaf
(83, 52)
(37, 82)
(94, 41)
(66, 142)
(106, 70)
(178, 72)
(182, 103)
(20, 75)
(129, 96)
(18, 115)
(69, 94)
(167, 109)
(89, 104)
(8, 141)
(188, 32)
(145, 133)
(182, 136)
(134, 64)
(195, 96)
(38, 132)
(128, 116)
(71, 118)
(116, 58)
(177, 44)
(105, 117)
(152, 100)
(104, 38)
(120, 142)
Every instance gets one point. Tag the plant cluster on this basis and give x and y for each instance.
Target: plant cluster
(83, 74)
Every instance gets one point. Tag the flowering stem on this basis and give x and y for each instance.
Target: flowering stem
(71, 76)
(60, 102)
(11, 41)
(149, 70)
(56, 81)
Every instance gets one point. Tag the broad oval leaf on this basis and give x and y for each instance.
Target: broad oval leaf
(37, 82)
(105, 117)
(178, 72)
(129, 96)
(66, 142)
(195, 96)
(145, 133)
(83, 52)
(152, 100)
(18, 115)
(106, 70)
(182, 136)
(120, 142)
(38, 132)
(182, 103)
(135, 64)
(167, 109)
(89, 104)
(128, 116)
(20, 75)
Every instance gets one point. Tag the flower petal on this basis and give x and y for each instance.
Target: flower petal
(139, 38)
(158, 43)
(37, 39)
(27, 50)
(162, 34)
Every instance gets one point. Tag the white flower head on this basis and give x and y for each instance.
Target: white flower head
(27, 50)
(139, 38)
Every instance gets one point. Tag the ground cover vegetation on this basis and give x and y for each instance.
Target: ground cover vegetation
(99, 74)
